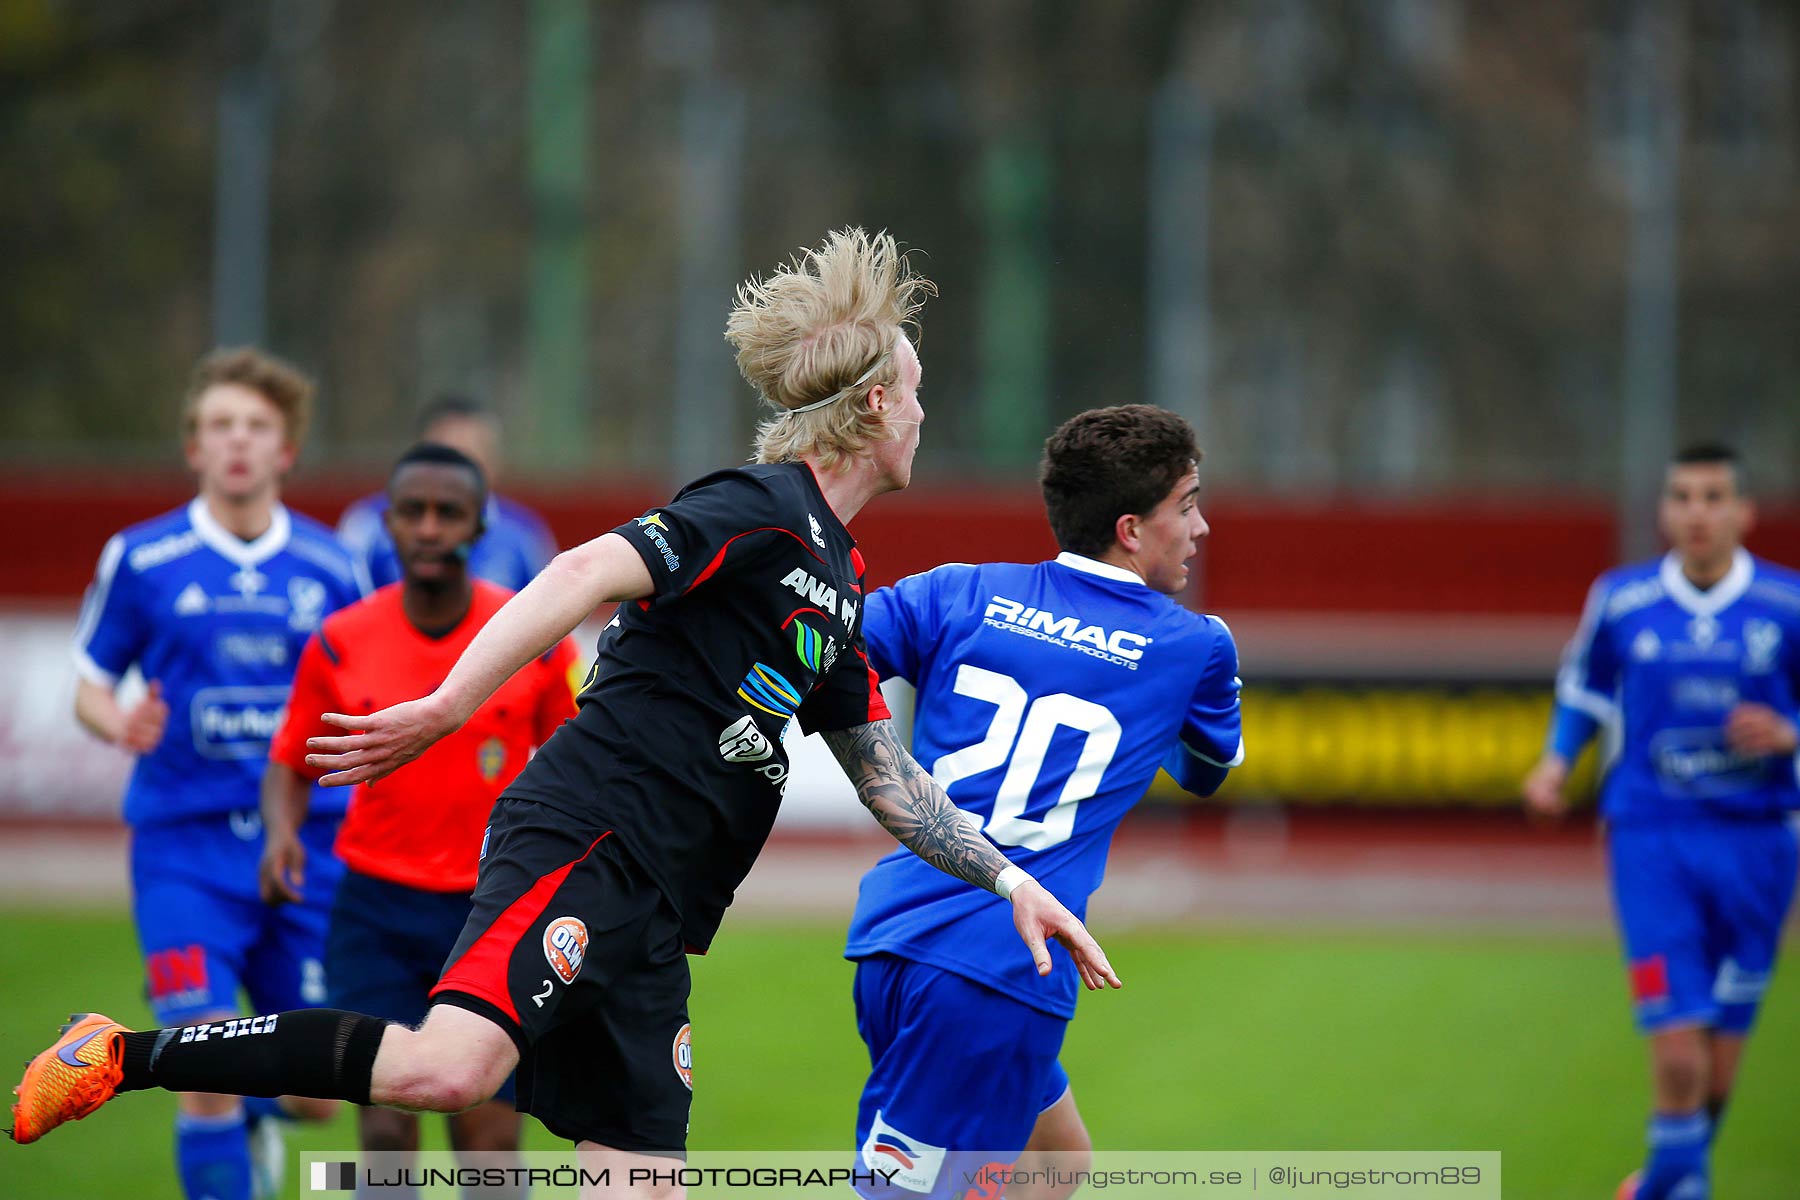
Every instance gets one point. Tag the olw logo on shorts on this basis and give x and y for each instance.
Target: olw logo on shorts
(683, 1053)
(565, 945)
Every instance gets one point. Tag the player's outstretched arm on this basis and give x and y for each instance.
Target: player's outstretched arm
(567, 591)
(910, 805)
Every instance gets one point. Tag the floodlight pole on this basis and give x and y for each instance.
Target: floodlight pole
(557, 382)
(1177, 301)
(707, 395)
(1653, 126)
(243, 157)
(1016, 181)
(1177, 305)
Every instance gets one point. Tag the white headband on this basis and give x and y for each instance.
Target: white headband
(842, 392)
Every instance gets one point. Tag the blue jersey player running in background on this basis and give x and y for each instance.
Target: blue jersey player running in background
(515, 544)
(1690, 664)
(212, 604)
(1048, 696)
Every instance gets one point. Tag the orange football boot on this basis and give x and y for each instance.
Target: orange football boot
(69, 1080)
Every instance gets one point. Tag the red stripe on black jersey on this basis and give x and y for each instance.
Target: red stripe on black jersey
(482, 970)
(718, 559)
(878, 709)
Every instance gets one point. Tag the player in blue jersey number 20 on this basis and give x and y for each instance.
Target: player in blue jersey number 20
(1692, 665)
(1048, 696)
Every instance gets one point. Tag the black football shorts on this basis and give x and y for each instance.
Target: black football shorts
(575, 952)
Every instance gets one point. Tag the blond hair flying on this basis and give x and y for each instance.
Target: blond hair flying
(817, 335)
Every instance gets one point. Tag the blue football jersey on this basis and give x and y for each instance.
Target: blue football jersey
(515, 547)
(1660, 664)
(219, 622)
(1048, 694)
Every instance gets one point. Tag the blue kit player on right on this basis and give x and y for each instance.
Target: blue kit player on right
(212, 603)
(1691, 666)
(1048, 696)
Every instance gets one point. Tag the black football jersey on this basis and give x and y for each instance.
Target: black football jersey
(677, 746)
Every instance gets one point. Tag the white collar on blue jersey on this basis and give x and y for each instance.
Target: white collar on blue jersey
(1715, 598)
(1093, 566)
(234, 548)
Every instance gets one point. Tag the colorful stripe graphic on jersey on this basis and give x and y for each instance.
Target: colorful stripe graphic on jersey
(807, 644)
(767, 689)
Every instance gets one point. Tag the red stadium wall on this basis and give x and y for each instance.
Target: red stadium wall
(1417, 556)
(1396, 654)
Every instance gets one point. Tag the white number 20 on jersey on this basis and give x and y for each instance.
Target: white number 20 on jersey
(1040, 718)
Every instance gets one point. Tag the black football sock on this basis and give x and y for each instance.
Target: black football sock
(322, 1052)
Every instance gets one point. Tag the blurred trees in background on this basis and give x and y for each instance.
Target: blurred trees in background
(1377, 245)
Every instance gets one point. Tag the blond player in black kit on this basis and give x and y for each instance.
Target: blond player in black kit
(619, 847)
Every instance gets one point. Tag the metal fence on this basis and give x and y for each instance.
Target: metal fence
(1390, 246)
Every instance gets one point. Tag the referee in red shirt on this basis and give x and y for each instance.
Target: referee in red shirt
(411, 841)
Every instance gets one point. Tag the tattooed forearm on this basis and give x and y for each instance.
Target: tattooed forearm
(911, 806)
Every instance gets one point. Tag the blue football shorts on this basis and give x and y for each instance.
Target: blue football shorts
(959, 1074)
(1701, 905)
(203, 928)
(387, 946)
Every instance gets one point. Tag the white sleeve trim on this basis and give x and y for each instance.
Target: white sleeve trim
(1236, 759)
(101, 589)
(92, 671)
(1573, 671)
(1599, 707)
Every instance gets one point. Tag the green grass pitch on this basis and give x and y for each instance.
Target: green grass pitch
(1302, 1040)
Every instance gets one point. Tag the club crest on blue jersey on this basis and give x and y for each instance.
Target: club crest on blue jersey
(306, 602)
(1762, 642)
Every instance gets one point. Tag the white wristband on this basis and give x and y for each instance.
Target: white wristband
(1010, 877)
